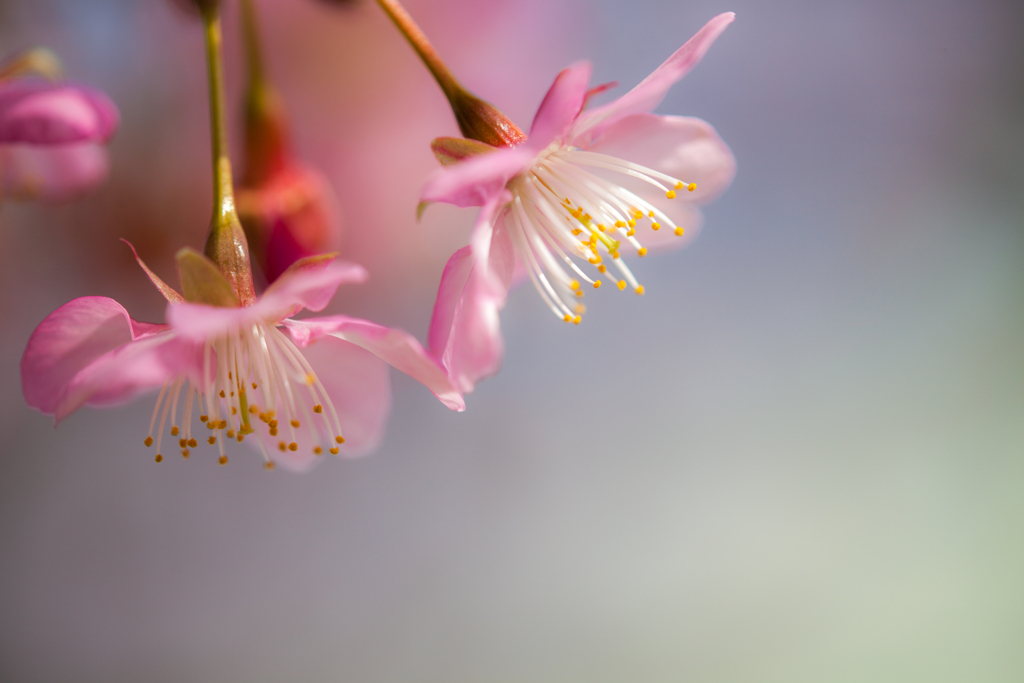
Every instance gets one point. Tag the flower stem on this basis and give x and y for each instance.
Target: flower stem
(419, 42)
(226, 245)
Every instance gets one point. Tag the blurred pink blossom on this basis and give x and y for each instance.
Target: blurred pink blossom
(52, 135)
(585, 184)
(321, 382)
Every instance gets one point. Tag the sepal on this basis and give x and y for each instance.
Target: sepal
(203, 282)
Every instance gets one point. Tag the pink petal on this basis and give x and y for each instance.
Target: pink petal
(650, 91)
(474, 181)
(39, 113)
(686, 148)
(359, 387)
(70, 339)
(311, 288)
(395, 347)
(465, 331)
(51, 173)
(199, 322)
(561, 105)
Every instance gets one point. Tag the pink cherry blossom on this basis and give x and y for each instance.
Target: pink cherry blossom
(317, 384)
(586, 186)
(52, 135)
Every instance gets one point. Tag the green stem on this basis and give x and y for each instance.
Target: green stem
(253, 53)
(223, 192)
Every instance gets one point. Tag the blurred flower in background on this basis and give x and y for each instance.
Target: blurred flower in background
(52, 134)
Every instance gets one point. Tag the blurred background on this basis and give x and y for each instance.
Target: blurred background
(799, 457)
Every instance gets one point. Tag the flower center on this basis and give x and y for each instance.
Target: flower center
(255, 373)
(561, 210)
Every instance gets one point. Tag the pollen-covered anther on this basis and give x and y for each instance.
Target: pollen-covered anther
(318, 408)
(572, 285)
(203, 418)
(597, 283)
(182, 443)
(691, 187)
(231, 433)
(339, 439)
(601, 268)
(174, 431)
(255, 386)
(159, 458)
(185, 453)
(614, 254)
(282, 446)
(240, 437)
(296, 424)
(642, 251)
(192, 443)
(679, 185)
(148, 441)
(272, 424)
(576, 320)
(317, 450)
(234, 410)
(253, 410)
(269, 465)
(273, 431)
(567, 318)
(679, 231)
(670, 194)
(223, 460)
(222, 394)
(640, 289)
(622, 284)
(655, 226)
(293, 446)
(212, 440)
(334, 451)
(222, 424)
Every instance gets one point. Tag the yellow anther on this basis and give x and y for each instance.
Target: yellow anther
(619, 224)
(593, 238)
(222, 394)
(174, 431)
(632, 224)
(679, 185)
(253, 409)
(148, 441)
(601, 268)
(670, 194)
(614, 254)
(597, 283)
(182, 443)
(576, 320)
(640, 289)
(293, 446)
(317, 450)
(234, 410)
(269, 465)
(310, 379)
(223, 460)
(318, 408)
(184, 453)
(339, 439)
(650, 215)
(211, 424)
(334, 451)
(622, 285)
(272, 424)
(579, 293)
(240, 437)
(296, 424)
(601, 227)
(159, 458)
(254, 385)
(203, 418)
(222, 424)
(212, 440)
(572, 285)
(642, 251)
(282, 446)
(567, 318)
(655, 226)
(273, 431)
(192, 443)
(679, 231)
(231, 433)
(691, 187)
(232, 393)
(638, 214)
(576, 231)
(630, 232)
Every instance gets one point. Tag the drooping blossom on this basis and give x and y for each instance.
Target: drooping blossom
(566, 205)
(316, 385)
(53, 135)
(295, 388)
(287, 208)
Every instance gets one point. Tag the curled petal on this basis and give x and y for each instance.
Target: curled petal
(561, 105)
(308, 283)
(474, 181)
(39, 113)
(51, 173)
(395, 347)
(465, 331)
(650, 91)
(69, 340)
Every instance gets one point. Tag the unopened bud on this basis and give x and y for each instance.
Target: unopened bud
(480, 120)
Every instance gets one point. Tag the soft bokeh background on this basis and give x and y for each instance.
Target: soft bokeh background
(799, 457)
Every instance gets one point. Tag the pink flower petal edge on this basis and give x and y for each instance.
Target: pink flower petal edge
(41, 113)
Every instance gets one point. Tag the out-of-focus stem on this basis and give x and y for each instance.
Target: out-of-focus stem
(424, 49)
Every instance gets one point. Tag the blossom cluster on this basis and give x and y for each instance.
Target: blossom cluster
(565, 205)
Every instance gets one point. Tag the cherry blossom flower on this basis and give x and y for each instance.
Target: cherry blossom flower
(288, 209)
(295, 388)
(566, 205)
(52, 134)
